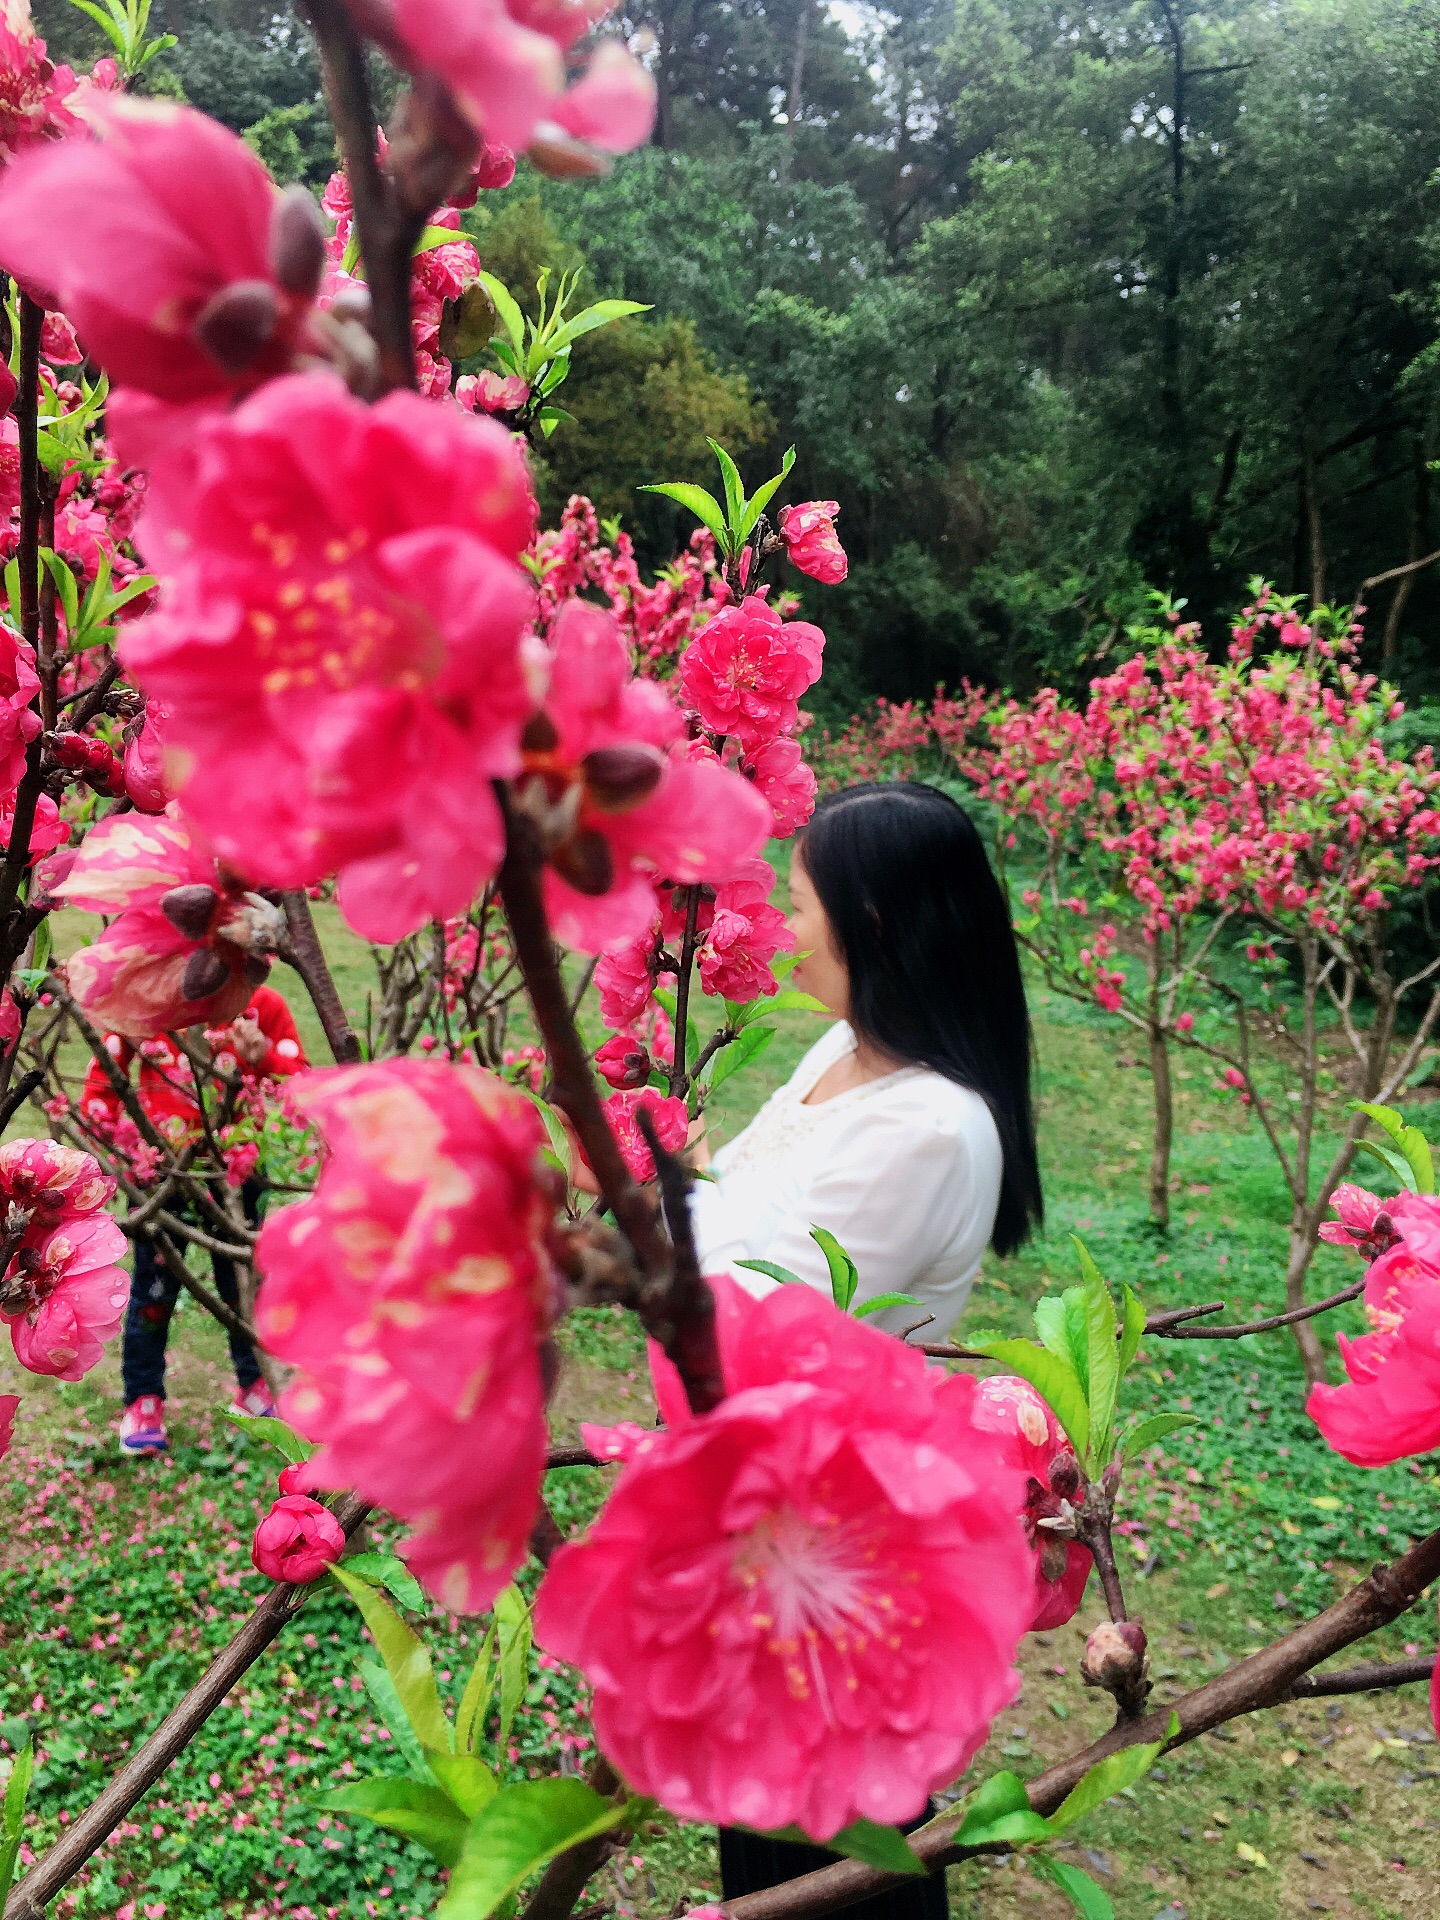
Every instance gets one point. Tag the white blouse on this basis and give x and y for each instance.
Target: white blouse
(904, 1171)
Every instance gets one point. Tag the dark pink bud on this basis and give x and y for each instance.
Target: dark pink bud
(190, 909)
(297, 242)
(237, 325)
(205, 973)
(1064, 1476)
(585, 861)
(618, 778)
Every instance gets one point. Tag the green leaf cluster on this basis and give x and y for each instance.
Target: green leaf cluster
(732, 522)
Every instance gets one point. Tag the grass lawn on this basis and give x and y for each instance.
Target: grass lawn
(118, 1580)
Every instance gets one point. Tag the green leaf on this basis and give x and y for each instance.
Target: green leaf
(555, 1133)
(1089, 1900)
(792, 1000)
(386, 1570)
(1410, 1140)
(1396, 1163)
(512, 1630)
(468, 1781)
(434, 237)
(772, 1272)
(734, 488)
(475, 1701)
(524, 1826)
(1110, 1776)
(1153, 1429)
(467, 322)
(844, 1274)
(1000, 1811)
(65, 590)
(604, 313)
(703, 505)
(17, 1787)
(271, 1431)
(1103, 1356)
(422, 1813)
(1132, 1330)
(406, 1661)
(884, 1300)
(43, 947)
(115, 34)
(511, 317)
(1053, 1379)
(882, 1847)
(386, 1702)
(1053, 1327)
(763, 495)
(740, 1053)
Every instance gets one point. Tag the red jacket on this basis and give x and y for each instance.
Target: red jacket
(166, 1079)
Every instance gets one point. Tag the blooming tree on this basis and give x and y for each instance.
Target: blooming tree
(354, 663)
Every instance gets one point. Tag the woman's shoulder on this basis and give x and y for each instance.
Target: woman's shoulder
(924, 1099)
(833, 1045)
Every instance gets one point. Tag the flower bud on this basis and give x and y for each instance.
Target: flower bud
(297, 1540)
(237, 324)
(584, 860)
(1115, 1656)
(618, 778)
(205, 973)
(189, 909)
(1064, 1476)
(297, 242)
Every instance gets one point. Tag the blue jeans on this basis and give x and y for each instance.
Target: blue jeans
(153, 1293)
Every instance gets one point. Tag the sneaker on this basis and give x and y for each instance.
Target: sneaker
(255, 1401)
(142, 1426)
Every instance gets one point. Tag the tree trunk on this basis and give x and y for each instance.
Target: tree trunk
(1164, 1126)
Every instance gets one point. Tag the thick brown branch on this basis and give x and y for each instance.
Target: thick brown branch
(90, 1831)
(1264, 1680)
(307, 956)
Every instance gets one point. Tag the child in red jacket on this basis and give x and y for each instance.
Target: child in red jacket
(264, 1044)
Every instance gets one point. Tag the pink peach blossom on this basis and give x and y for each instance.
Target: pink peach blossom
(744, 672)
(156, 239)
(1364, 1221)
(809, 533)
(802, 1607)
(504, 60)
(487, 392)
(625, 983)
(743, 937)
(296, 1540)
(9, 1406)
(1032, 1440)
(670, 1120)
(607, 764)
(1390, 1407)
(786, 782)
(412, 1295)
(19, 723)
(338, 646)
(623, 1063)
(182, 949)
(51, 1181)
(33, 92)
(144, 763)
(64, 1295)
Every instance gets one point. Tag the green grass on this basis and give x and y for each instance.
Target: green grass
(119, 1580)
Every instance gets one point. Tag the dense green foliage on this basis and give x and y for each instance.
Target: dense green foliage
(1058, 309)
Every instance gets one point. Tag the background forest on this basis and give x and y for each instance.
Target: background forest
(1061, 306)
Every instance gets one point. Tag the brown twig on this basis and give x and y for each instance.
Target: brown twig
(1264, 1680)
(563, 1881)
(1373, 1677)
(1168, 1326)
(19, 1094)
(306, 955)
(680, 1062)
(89, 1832)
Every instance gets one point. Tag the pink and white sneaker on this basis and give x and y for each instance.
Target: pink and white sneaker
(255, 1401)
(142, 1426)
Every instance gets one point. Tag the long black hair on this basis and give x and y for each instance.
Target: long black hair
(925, 933)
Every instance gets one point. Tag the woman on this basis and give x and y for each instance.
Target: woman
(906, 1130)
